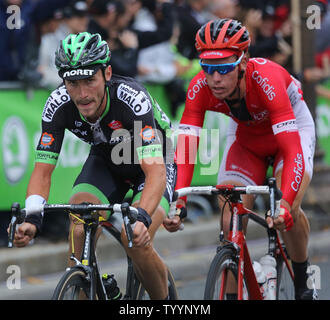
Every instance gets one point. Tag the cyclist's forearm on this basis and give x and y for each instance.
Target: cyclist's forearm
(154, 188)
(40, 181)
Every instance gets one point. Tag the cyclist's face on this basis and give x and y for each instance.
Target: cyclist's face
(87, 94)
(222, 85)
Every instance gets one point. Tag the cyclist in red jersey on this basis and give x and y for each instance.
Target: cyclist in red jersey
(270, 124)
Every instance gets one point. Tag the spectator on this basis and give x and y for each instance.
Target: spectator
(75, 20)
(13, 41)
(190, 17)
(123, 43)
(224, 8)
(46, 19)
(126, 40)
(103, 14)
(158, 64)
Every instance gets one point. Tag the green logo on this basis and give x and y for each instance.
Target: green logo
(15, 149)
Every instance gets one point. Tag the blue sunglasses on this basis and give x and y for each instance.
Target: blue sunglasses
(221, 68)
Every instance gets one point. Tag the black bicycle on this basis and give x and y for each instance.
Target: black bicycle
(84, 280)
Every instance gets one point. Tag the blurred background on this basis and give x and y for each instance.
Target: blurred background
(152, 41)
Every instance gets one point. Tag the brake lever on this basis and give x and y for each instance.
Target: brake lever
(275, 198)
(127, 223)
(18, 217)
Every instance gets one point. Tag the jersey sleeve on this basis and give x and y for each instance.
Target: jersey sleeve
(271, 85)
(52, 128)
(189, 131)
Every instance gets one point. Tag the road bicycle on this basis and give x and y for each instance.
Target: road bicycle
(233, 258)
(84, 280)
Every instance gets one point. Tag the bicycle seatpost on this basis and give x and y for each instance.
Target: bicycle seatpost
(275, 198)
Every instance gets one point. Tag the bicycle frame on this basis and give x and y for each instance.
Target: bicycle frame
(88, 261)
(237, 239)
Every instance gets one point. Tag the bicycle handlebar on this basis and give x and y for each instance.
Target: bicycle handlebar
(129, 215)
(271, 189)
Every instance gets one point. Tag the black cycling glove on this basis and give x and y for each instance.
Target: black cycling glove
(144, 217)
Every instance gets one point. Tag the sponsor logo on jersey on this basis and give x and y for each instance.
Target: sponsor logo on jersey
(46, 140)
(260, 115)
(294, 93)
(265, 86)
(191, 94)
(285, 126)
(56, 100)
(298, 170)
(138, 101)
(115, 125)
(81, 132)
(189, 130)
(147, 134)
(259, 60)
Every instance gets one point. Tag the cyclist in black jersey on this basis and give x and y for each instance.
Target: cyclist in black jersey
(130, 149)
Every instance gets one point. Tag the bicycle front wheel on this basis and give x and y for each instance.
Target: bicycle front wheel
(285, 285)
(72, 286)
(223, 269)
(141, 293)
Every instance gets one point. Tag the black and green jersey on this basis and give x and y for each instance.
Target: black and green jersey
(132, 127)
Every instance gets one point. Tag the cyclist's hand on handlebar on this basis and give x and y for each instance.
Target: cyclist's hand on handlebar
(24, 234)
(284, 221)
(141, 236)
(172, 224)
(175, 223)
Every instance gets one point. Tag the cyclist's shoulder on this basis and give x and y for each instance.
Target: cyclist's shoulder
(55, 102)
(197, 88)
(266, 67)
(129, 94)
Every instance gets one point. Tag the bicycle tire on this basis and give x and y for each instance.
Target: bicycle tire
(71, 286)
(224, 261)
(285, 286)
(141, 294)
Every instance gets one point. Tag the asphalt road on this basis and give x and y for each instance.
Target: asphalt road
(190, 280)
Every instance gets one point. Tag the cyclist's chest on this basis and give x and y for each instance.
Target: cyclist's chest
(250, 111)
(108, 129)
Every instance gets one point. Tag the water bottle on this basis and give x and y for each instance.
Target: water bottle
(261, 277)
(110, 285)
(268, 264)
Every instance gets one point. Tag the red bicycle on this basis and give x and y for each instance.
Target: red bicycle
(233, 256)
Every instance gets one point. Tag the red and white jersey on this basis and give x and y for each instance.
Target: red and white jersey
(273, 102)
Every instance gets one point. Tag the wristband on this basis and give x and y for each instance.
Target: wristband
(144, 217)
(36, 219)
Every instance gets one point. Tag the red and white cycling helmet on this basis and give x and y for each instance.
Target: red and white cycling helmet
(222, 38)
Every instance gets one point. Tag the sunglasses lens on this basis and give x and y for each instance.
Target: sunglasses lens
(222, 69)
(226, 69)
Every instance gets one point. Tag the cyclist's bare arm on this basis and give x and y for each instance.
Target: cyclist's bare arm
(39, 185)
(155, 183)
(40, 180)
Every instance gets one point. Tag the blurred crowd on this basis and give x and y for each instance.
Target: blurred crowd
(150, 40)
